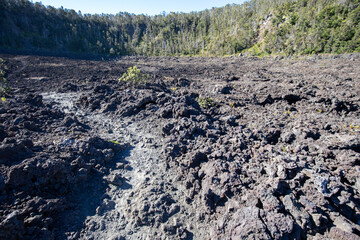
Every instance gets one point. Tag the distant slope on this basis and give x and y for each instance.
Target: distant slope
(258, 27)
(308, 27)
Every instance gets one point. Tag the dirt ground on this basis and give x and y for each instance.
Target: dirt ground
(208, 148)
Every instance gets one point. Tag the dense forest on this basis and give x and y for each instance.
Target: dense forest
(258, 27)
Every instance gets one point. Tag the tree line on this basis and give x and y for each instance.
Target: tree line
(258, 27)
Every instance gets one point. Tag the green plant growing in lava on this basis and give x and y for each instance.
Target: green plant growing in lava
(114, 142)
(206, 102)
(4, 88)
(134, 75)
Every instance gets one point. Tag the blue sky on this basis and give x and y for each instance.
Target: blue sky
(137, 6)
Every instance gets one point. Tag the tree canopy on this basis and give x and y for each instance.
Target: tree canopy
(258, 27)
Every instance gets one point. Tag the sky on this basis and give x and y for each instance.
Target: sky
(138, 6)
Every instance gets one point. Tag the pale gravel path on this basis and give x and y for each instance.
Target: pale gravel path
(148, 194)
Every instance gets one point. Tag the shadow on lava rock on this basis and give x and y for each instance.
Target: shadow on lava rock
(90, 198)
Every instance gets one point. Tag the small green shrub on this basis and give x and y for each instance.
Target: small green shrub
(206, 102)
(134, 75)
(4, 88)
(114, 142)
(256, 51)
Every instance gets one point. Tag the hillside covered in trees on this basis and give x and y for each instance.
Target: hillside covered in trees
(258, 27)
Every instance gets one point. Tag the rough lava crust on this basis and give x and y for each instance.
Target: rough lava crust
(208, 148)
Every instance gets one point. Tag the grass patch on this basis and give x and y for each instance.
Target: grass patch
(206, 102)
(4, 88)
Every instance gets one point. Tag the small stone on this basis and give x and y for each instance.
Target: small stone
(120, 165)
(318, 219)
(115, 179)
